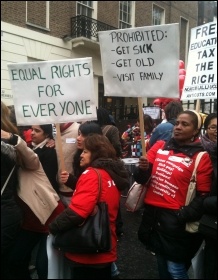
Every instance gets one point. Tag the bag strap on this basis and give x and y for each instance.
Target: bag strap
(106, 129)
(192, 187)
(99, 183)
(6, 182)
(198, 158)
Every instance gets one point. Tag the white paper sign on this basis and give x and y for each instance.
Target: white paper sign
(141, 62)
(53, 91)
(201, 73)
(153, 112)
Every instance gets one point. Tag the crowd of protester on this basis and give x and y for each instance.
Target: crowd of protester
(171, 151)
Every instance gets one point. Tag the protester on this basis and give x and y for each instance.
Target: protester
(69, 132)
(127, 138)
(40, 135)
(132, 132)
(165, 129)
(136, 146)
(209, 142)
(98, 153)
(170, 165)
(109, 129)
(36, 201)
(70, 180)
(11, 214)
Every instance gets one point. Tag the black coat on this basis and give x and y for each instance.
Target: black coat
(11, 214)
(162, 230)
(48, 159)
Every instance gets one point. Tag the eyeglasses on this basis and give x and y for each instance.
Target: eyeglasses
(212, 128)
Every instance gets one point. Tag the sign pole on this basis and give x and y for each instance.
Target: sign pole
(58, 137)
(198, 104)
(141, 124)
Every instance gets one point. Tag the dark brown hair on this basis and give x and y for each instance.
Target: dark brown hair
(6, 123)
(99, 146)
(172, 110)
(208, 119)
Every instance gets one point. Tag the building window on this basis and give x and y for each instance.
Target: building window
(37, 14)
(207, 11)
(85, 8)
(125, 14)
(158, 15)
(184, 38)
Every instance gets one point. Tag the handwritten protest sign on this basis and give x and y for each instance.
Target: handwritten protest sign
(201, 73)
(153, 112)
(141, 62)
(53, 91)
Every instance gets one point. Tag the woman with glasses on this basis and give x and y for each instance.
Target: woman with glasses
(209, 142)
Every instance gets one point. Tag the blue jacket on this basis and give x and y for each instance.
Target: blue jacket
(163, 131)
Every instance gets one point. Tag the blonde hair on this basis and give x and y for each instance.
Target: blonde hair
(6, 123)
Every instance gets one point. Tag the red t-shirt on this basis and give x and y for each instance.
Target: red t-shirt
(83, 202)
(171, 175)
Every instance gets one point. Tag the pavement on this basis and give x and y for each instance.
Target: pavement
(134, 261)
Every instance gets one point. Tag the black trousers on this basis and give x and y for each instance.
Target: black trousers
(86, 272)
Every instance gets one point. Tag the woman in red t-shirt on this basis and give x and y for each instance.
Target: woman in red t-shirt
(98, 153)
(170, 165)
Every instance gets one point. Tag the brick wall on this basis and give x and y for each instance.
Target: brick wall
(60, 17)
(108, 12)
(143, 13)
(14, 12)
(36, 13)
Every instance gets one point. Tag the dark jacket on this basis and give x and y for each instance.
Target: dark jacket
(48, 159)
(210, 203)
(118, 173)
(162, 230)
(11, 215)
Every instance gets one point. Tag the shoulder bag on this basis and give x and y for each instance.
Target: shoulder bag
(192, 227)
(92, 236)
(135, 196)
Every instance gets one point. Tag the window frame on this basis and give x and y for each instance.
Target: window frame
(162, 20)
(87, 8)
(186, 45)
(47, 20)
(125, 24)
